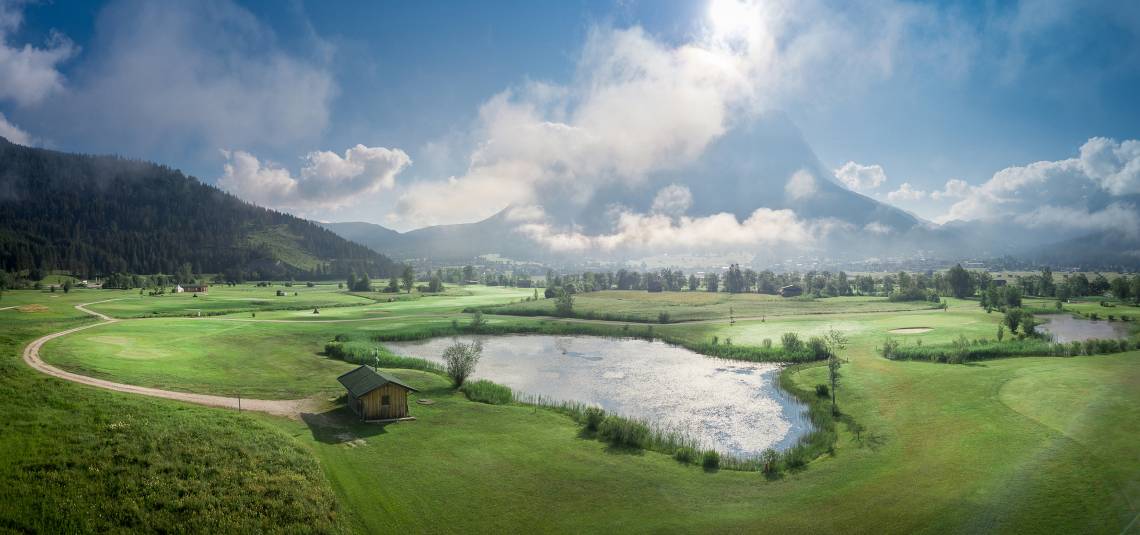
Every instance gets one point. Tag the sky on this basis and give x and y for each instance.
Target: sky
(418, 113)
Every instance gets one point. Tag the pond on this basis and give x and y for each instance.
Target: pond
(734, 407)
(1066, 328)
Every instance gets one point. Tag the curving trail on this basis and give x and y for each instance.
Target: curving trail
(289, 407)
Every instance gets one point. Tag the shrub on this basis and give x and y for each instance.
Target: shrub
(623, 432)
(593, 417)
(822, 391)
(1094, 316)
(477, 321)
(791, 342)
(685, 454)
(767, 343)
(484, 391)
(890, 347)
(818, 348)
(459, 361)
(663, 317)
(770, 460)
(710, 460)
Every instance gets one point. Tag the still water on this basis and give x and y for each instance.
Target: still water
(732, 406)
(1065, 328)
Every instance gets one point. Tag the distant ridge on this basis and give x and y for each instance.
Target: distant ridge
(95, 215)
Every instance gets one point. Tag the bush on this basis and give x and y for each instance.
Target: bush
(710, 460)
(685, 454)
(623, 432)
(890, 346)
(663, 317)
(770, 459)
(822, 391)
(767, 343)
(791, 342)
(459, 361)
(818, 348)
(484, 391)
(593, 418)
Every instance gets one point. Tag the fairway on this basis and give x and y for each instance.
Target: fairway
(1013, 445)
(641, 306)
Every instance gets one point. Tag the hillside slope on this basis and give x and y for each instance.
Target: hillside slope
(95, 215)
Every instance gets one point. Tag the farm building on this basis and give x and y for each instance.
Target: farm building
(791, 290)
(192, 288)
(375, 396)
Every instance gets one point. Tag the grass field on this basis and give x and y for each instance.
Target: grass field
(75, 459)
(1017, 445)
(643, 306)
(223, 299)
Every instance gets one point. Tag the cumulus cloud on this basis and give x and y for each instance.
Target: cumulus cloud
(1060, 193)
(906, 193)
(638, 105)
(327, 180)
(858, 177)
(954, 189)
(672, 200)
(206, 74)
(29, 74)
(1114, 166)
(800, 185)
(660, 233)
(13, 133)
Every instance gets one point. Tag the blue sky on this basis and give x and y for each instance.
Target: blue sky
(929, 92)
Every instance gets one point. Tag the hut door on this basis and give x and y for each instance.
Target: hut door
(385, 406)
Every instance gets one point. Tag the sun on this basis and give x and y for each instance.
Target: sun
(727, 17)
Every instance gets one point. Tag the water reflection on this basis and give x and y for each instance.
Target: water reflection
(1066, 328)
(735, 407)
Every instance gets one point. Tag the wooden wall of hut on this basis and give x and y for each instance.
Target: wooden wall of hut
(371, 407)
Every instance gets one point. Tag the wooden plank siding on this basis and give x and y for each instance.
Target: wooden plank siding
(371, 407)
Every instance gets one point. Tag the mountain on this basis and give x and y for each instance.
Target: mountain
(96, 215)
(746, 169)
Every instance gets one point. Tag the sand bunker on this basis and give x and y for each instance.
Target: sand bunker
(910, 330)
(32, 308)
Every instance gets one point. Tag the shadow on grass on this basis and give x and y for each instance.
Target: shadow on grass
(863, 438)
(339, 426)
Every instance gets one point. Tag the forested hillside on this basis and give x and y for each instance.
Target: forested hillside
(96, 215)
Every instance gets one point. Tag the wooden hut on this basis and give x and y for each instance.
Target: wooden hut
(375, 396)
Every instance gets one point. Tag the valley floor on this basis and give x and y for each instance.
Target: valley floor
(1016, 445)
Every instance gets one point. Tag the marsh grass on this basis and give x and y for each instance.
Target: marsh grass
(964, 350)
(484, 391)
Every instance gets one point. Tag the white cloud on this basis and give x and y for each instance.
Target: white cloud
(13, 133)
(672, 200)
(29, 74)
(906, 193)
(661, 233)
(206, 75)
(1059, 193)
(954, 189)
(858, 177)
(327, 179)
(638, 105)
(801, 185)
(1114, 166)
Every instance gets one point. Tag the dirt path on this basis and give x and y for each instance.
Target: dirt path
(289, 407)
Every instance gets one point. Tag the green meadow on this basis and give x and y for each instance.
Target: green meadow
(641, 306)
(1020, 445)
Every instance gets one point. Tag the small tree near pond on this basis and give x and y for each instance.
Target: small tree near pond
(836, 342)
(564, 304)
(459, 361)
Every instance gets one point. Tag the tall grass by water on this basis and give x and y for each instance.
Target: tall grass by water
(964, 350)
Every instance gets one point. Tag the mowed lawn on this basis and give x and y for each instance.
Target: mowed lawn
(223, 299)
(631, 305)
(1015, 445)
(940, 448)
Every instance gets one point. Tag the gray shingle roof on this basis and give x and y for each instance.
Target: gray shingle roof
(364, 380)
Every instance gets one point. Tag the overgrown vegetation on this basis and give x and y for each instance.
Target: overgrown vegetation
(964, 350)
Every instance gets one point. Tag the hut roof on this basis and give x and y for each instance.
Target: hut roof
(364, 380)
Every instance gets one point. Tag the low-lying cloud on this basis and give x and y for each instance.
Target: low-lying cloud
(1063, 193)
(635, 233)
(858, 177)
(327, 179)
